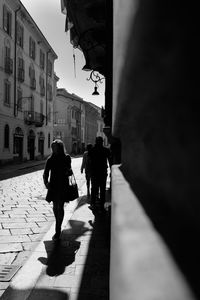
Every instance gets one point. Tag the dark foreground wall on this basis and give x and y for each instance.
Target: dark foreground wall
(156, 116)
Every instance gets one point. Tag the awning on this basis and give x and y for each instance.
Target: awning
(86, 21)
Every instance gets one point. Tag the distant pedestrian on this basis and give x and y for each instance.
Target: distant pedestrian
(100, 160)
(58, 166)
(86, 165)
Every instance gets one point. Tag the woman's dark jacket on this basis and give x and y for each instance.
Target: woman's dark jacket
(59, 169)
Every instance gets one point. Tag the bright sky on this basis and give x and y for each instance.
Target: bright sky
(49, 18)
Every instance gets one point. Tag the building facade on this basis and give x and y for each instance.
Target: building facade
(76, 121)
(100, 124)
(91, 126)
(68, 120)
(27, 85)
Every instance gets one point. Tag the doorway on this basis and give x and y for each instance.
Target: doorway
(31, 145)
(41, 144)
(18, 144)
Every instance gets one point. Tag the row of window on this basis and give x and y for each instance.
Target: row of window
(21, 68)
(21, 72)
(7, 139)
(7, 97)
(20, 98)
(7, 26)
(7, 93)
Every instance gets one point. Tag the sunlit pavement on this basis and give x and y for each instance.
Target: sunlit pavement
(77, 267)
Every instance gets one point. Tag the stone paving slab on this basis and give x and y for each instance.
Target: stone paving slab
(36, 237)
(19, 225)
(29, 245)
(13, 220)
(14, 239)
(7, 258)
(4, 232)
(22, 231)
(7, 247)
(22, 257)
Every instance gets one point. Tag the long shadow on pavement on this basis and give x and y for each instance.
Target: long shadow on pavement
(95, 278)
(62, 253)
(35, 294)
(10, 171)
(21, 168)
(47, 294)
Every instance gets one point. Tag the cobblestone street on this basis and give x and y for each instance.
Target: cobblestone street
(25, 216)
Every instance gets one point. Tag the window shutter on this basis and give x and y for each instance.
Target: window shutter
(7, 51)
(30, 71)
(33, 49)
(30, 40)
(21, 63)
(10, 24)
(22, 37)
(5, 18)
(17, 33)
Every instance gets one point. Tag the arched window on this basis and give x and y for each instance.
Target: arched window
(6, 136)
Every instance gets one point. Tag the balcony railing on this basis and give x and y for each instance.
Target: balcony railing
(33, 83)
(33, 118)
(8, 65)
(21, 75)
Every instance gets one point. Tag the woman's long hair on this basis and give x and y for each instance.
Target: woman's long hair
(58, 148)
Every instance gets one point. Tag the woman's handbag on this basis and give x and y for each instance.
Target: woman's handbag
(72, 190)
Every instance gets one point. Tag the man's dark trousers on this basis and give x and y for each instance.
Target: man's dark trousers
(98, 182)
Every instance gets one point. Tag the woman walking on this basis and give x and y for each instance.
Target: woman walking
(58, 166)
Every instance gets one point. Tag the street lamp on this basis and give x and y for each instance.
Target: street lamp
(95, 77)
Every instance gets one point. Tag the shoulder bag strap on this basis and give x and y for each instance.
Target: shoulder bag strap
(72, 179)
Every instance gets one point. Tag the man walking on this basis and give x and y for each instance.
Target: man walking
(86, 166)
(99, 159)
